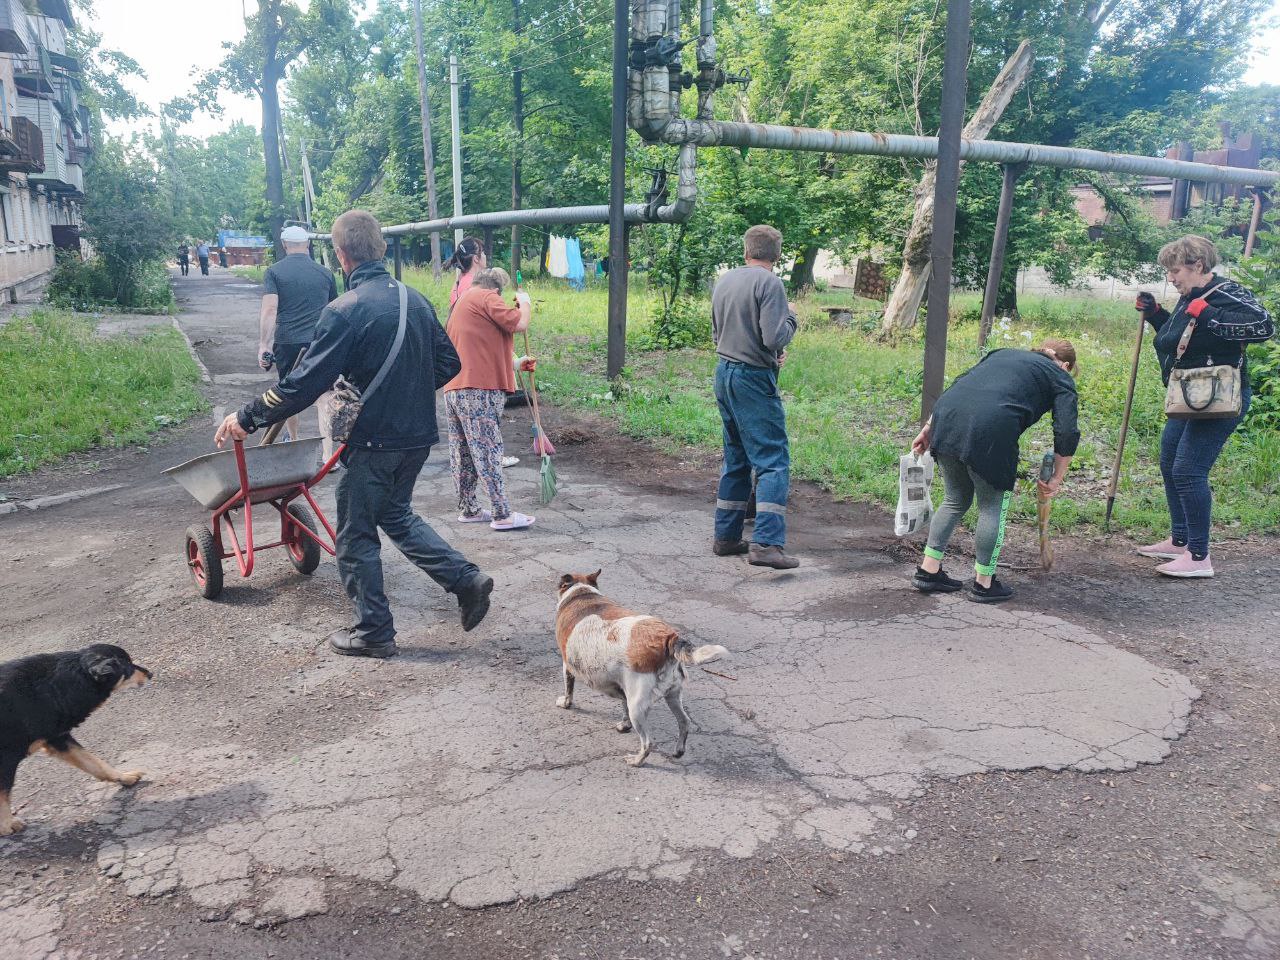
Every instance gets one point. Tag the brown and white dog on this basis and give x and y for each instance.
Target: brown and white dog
(626, 655)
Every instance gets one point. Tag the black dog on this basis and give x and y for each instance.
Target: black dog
(43, 698)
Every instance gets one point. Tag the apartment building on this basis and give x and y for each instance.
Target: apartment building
(45, 140)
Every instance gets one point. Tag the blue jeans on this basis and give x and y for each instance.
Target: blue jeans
(376, 490)
(755, 437)
(1188, 451)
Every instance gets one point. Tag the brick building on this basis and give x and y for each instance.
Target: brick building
(45, 140)
(1169, 200)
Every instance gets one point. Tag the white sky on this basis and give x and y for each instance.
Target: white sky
(169, 39)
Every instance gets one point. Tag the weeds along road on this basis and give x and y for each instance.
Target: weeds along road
(1088, 772)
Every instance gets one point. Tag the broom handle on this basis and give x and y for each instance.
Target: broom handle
(1124, 424)
(533, 393)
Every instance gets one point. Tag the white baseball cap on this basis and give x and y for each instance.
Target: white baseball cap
(294, 235)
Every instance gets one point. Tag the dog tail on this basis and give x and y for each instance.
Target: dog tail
(687, 653)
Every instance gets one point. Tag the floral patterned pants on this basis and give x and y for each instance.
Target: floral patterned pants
(475, 448)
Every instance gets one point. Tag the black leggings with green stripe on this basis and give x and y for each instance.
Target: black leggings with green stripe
(962, 485)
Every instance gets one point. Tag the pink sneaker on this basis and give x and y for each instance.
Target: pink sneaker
(1184, 566)
(1166, 549)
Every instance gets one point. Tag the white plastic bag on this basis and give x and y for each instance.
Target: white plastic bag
(915, 505)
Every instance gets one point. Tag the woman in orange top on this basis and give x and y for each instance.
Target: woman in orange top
(481, 326)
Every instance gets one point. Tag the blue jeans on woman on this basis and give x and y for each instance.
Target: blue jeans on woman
(1188, 451)
(755, 437)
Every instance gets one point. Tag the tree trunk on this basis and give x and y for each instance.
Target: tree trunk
(517, 150)
(802, 272)
(904, 304)
(271, 150)
(542, 257)
(1007, 295)
(428, 153)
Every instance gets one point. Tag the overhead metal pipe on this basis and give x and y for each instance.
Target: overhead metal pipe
(723, 133)
(677, 211)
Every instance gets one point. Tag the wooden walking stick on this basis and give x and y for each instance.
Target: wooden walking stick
(1124, 424)
(1044, 504)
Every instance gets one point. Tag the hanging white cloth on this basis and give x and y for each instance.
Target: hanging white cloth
(557, 258)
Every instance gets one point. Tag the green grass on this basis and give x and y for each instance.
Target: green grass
(68, 390)
(250, 273)
(853, 402)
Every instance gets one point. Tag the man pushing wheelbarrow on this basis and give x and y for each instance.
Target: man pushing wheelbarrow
(385, 342)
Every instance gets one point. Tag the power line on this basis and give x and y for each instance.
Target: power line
(484, 74)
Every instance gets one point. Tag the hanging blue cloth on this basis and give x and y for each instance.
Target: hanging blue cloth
(573, 253)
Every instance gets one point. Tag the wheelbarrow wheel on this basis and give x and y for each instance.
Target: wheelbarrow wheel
(204, 561)
(304, 553)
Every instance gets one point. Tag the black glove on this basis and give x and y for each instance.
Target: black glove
(1146, 304)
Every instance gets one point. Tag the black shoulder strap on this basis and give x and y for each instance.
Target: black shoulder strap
(395, 346)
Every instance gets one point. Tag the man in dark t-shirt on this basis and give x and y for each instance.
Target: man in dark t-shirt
(296, 290)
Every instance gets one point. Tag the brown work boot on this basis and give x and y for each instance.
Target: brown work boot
(729, 548)
(771, 555)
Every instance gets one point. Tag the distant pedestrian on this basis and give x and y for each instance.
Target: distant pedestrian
(296, 289)
(222, 257)
(391, 437)
(468, 259)
(752, 323)
(481, 327)
(202, 252)
(184, 257)
(973, 434)
(1226, 318)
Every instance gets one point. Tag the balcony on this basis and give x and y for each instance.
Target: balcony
(59, 10)
(46, 116)
(29, 157)
(73, 183)
(13, 27)
(34, 73)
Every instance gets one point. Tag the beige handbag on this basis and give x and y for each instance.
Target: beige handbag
(1202, 393)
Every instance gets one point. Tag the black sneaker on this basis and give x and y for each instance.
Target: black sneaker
(343, 643)
(473, 600)
(935, 582)
(996, 593)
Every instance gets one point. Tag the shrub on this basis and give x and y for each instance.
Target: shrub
(88, 285)
(685, 322)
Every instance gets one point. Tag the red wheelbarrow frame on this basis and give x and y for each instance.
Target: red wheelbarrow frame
(279, 497)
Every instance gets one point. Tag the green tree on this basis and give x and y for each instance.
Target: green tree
(125, 217)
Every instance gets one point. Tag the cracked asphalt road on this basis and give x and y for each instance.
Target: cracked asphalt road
(874, 773)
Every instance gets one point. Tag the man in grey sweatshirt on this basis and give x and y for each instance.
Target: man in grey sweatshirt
(752, 323)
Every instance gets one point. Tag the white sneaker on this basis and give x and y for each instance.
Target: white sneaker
(510, 461)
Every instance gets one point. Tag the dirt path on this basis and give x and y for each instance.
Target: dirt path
(1089, 772)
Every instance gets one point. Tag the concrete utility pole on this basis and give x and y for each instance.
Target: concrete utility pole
(618, 194)
(954, 85)
(517, 152)
(455, 123)
(428, 155)
(308, 188)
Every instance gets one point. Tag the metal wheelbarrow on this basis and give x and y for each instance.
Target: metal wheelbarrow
(240, 478)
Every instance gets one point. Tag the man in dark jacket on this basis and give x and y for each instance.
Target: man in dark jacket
(390, 440)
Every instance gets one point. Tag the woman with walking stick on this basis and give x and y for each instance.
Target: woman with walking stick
(973, 434)
(1201, 348)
